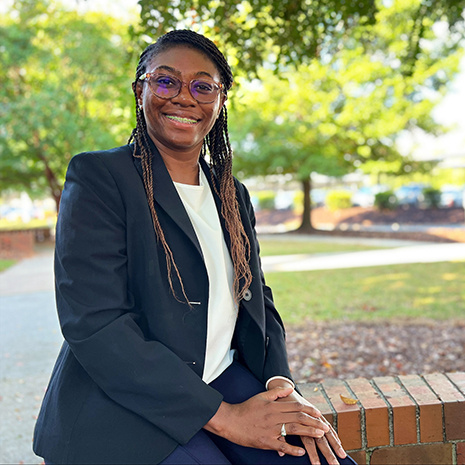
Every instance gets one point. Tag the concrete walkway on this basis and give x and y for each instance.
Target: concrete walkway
(30, 336)
(30, 339)
(402, 252)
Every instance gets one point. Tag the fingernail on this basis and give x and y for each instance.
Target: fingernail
(342, 453)
(301, 452)
(320, 432)
(281, 454)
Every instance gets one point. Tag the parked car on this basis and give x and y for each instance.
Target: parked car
(452, 196)
(365, 196)
(410, 194)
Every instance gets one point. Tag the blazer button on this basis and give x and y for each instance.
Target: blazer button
(247, 295)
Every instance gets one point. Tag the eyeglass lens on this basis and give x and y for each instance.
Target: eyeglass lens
(166, 86)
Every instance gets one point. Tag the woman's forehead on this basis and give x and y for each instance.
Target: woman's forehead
(181, 59)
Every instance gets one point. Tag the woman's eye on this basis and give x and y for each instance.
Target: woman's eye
(165, 81)
(203, 87)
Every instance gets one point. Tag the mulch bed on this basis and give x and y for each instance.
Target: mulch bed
(433, 218)
(345, 350)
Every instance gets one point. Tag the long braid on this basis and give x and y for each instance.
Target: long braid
(219, 149)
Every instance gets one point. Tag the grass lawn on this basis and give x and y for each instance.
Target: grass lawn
(4, 264)
(289, 247)
(426, 290)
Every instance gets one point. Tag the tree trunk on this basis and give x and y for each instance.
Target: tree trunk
(55, 187)
(306, 225)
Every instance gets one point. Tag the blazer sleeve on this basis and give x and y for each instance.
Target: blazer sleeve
(98, 316)
(276, 362)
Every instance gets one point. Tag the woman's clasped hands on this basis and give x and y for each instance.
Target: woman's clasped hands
(258, 422)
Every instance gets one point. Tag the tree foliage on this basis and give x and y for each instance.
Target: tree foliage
(63, 78)
(343, 111)
(286, 32)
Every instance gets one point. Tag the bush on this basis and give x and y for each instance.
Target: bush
(432, 196)
(337, 200)
(386, 200)
(266, 200)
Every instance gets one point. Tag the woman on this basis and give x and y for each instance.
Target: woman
(171, 335)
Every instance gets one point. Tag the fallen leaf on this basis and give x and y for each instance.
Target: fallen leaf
(315, 389)
(348, 400)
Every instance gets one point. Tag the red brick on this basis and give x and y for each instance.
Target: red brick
(430, 408)
(16, 244)
(314, 394)
(376, 412)
(404, 420)
(348, 416)
(424, 454)
(458, 379)
(360, 456)
(461, 453)
(454, 405)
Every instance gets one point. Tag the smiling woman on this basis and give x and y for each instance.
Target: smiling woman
(174, 351)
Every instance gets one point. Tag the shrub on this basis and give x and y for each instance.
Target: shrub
(266, 200)
(337, 200)
(432, 196)
(386, 200)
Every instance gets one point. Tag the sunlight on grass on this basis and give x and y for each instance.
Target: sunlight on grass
(432, 290)
(385, 277)
(384, 292)
(421, 301)
(290, 247)
(396, 285)
(449, 277)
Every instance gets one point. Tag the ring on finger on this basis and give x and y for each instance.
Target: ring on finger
(283, 430)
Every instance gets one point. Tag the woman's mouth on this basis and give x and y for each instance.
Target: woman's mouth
(181, 119)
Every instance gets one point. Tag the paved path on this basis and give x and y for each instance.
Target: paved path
(30, 337)
(400, 255)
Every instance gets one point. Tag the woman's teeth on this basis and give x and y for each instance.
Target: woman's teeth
(182, 120)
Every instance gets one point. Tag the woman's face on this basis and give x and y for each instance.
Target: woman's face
(179, 124)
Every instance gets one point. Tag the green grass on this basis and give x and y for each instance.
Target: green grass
(431, 290)
(281, 247)
(4, 264)
(19, 225)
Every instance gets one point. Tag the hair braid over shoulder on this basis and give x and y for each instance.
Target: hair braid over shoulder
(219, 149)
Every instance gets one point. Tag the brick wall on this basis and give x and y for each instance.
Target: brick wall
(16, 244)
(397, 420)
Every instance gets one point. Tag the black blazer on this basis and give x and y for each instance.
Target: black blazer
(127, 386)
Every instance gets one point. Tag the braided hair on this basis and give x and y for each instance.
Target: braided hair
(216, 143)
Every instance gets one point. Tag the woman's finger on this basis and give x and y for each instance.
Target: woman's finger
(282, 439)
(334, 441)
(323, 446)
(310, 447)
(284, 448)
(298, 406)
(300, 423)
(298, 429)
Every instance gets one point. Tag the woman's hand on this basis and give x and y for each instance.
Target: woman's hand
(257, 422)
(326, 443)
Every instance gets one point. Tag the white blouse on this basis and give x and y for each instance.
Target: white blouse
(222, 311)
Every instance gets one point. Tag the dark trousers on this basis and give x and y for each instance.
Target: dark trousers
(236, 384)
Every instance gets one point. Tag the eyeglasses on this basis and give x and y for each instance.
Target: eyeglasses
(167, 86)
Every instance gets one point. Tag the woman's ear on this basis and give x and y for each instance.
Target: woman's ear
(137, 88)
(223, 99)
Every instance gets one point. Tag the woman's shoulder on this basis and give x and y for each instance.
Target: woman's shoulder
(118, 158)
(123, 152)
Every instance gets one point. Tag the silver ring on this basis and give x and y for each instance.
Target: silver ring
(283, 430)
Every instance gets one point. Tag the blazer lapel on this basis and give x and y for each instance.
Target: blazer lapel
(167, 197)
(206, 169)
